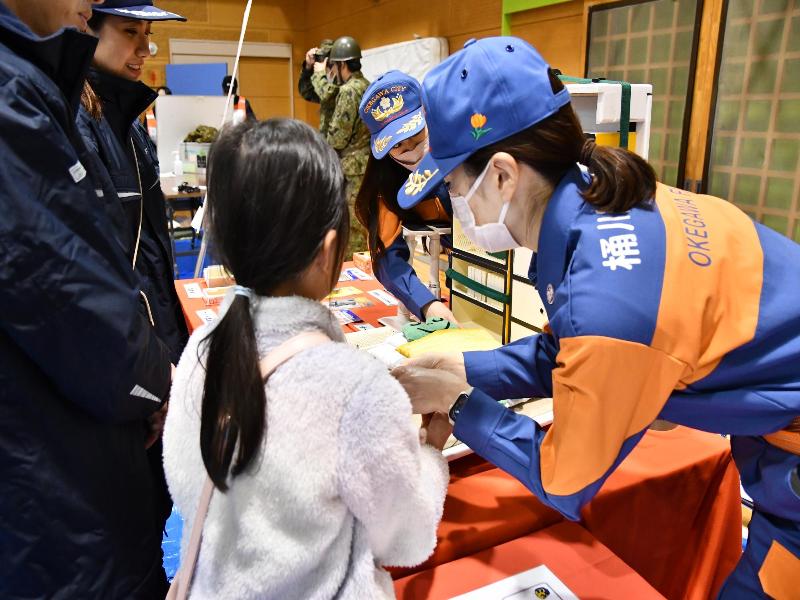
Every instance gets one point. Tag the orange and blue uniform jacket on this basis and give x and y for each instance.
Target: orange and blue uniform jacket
(682, 308)
(393, 269)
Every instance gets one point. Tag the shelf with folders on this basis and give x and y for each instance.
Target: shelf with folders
(480, 286)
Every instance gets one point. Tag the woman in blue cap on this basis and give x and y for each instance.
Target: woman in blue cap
(661, 304)
(108, 122)
(392, 110)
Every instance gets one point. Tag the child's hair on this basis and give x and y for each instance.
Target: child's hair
(275, 190)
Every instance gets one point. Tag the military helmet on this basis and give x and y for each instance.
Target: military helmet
(345, 48)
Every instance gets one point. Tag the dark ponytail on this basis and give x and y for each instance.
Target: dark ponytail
(234, 403)
(275, 189)
(620, 179)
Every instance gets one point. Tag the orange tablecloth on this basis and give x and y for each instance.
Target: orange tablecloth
(370, 314)
(582, 563)
(671, 511)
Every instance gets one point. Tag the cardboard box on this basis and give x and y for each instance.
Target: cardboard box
(363, 261)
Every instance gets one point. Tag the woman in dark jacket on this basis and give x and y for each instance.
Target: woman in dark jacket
(79, 373)
(108, 121)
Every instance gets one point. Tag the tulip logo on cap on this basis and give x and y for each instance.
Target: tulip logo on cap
(478, 121)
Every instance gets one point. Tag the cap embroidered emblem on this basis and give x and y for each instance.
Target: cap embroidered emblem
(381, 143)
(387, 108)
(417, 181)
(412, 124)
(478, 121)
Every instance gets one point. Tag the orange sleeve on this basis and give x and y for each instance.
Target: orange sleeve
(605, 391)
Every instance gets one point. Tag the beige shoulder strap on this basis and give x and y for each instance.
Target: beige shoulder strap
(179, 589)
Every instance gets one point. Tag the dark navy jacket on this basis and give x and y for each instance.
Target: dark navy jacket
(113, 139)
(79, 371)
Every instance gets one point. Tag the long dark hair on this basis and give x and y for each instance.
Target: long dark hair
(89, 99)
(620, 179)
(275, 189)
(382, 179)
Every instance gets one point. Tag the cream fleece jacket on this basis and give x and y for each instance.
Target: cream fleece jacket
(340, 487)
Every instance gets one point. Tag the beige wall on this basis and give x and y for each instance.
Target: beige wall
(558, 31)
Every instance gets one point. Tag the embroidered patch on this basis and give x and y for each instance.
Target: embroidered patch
(381, 143)
(77, 172)
(417, 181)
(387, 108)
(415, 122)
(478, 121)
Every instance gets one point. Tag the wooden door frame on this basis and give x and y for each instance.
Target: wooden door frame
(228, 49)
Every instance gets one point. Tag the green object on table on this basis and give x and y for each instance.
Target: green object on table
(416, 331)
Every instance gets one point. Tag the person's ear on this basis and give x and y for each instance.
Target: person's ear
(327, 261)
(505, 175)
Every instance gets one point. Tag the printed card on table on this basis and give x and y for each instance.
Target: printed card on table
(208, 315)
(346, 316)
(343, 292)
(193, 290)
(384, 297)
(539, 583)
(356, 273)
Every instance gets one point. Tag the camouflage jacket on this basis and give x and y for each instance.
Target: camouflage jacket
(325, 93)
(348, 134)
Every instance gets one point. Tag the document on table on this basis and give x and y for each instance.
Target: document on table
(535, 584)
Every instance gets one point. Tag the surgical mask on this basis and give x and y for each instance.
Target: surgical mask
(492, 237)
(410, 159)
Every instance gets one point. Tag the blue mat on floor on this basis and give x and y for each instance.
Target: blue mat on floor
(171, 544)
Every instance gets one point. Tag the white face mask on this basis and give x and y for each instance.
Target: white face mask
(410, 159)
(492, 237)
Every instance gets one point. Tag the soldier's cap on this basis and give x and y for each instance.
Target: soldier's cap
(141, 10)
(486, 92)
(392, 110)
(324, 48)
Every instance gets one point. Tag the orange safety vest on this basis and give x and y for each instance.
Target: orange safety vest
(152, 125)
(240, 112)
(390, 226)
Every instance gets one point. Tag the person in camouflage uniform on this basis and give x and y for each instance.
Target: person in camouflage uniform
(316, 83)
(347, 133)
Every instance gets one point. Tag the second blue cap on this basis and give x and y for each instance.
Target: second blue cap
(491, 89)
(392, 110)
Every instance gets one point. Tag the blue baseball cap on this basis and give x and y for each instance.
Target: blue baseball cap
(486, 92)
(141, 10)
(392, 110)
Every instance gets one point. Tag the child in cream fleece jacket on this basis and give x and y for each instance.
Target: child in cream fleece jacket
(340, 486)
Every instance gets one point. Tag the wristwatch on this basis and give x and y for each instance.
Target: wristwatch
(452, 414)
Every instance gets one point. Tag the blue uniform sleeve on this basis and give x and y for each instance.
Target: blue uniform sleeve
(398, 276)
(521, 369)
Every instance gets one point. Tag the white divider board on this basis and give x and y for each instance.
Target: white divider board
(180, 115)
(416, 57)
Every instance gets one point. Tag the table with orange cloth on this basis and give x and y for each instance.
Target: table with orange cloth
(671, 510)
(581, 562)
(369, 314)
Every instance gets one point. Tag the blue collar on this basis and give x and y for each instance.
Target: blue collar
(556, 243)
